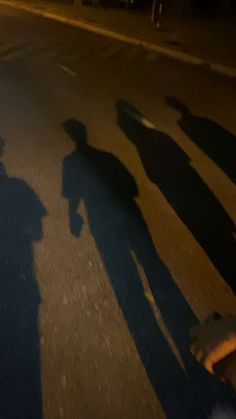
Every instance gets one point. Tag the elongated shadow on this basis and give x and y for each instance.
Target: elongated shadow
(116, 223)
(218, 143)
(21, 214)
(169, 167)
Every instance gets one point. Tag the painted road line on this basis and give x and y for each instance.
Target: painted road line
(67, 70)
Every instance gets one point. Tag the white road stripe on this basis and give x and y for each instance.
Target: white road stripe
(67, 70)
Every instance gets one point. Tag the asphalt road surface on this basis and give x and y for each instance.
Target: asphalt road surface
(117, 211)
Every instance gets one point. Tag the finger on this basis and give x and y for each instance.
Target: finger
(207, 363)
(203, 358)
(196, 351)
(198, 354)
(194, 332)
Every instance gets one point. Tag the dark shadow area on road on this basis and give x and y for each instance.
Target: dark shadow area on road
(218, 143)
(21, 214)
(169, 167)
(108, 191)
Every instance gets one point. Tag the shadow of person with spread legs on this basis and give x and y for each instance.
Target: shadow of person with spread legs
(21, 215)
(169, 167)
(218, 143)
(116, 223)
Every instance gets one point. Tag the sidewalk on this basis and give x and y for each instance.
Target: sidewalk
(195, 41)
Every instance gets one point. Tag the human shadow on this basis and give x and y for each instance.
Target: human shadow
(218, 143)
(108, 191)
(169, 167)
(21, 214)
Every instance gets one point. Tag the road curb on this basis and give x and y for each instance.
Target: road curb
(184, 57)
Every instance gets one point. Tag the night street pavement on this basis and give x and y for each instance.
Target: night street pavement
(117, 225)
